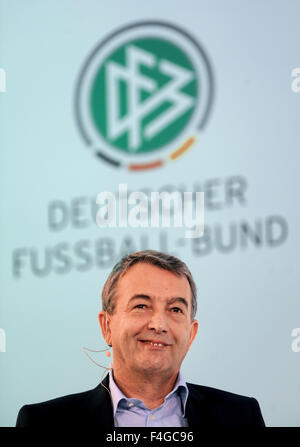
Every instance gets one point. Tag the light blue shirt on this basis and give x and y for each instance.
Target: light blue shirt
(131, 412)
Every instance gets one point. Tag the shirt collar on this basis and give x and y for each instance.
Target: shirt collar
(180, 385)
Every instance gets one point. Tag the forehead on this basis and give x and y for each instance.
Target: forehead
(151, 280)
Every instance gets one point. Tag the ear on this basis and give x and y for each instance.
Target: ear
(104, 321)
(193, 332)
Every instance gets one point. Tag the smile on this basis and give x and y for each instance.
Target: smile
(154, 344)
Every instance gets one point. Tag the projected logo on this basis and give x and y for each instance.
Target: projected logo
(143, 95)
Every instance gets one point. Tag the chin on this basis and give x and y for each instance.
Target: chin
(152, 368)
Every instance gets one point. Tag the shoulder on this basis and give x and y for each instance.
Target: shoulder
(59, 410)
(215, 394)
(226, 408)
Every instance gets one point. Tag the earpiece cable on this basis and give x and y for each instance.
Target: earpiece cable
(98, 364)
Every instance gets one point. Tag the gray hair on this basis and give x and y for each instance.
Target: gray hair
(159, 259)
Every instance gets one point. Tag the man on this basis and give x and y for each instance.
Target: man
(148, 318)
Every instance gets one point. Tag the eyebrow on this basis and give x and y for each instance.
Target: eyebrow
(173, 300)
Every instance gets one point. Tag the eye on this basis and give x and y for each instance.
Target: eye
(177, 309)
(138, 306)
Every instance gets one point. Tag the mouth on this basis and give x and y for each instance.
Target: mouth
(154, 344)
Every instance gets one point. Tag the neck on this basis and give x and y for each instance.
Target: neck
(151, 389)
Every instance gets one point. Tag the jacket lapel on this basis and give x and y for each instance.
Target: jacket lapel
(100, 407)
(198, 412)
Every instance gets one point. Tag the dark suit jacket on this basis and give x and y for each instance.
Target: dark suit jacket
(206, 407)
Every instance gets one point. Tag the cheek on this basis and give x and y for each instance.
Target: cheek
(184, 338)
(124, 329)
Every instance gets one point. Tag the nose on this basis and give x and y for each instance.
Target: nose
(158, 322)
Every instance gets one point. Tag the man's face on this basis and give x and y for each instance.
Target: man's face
(152, 305)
